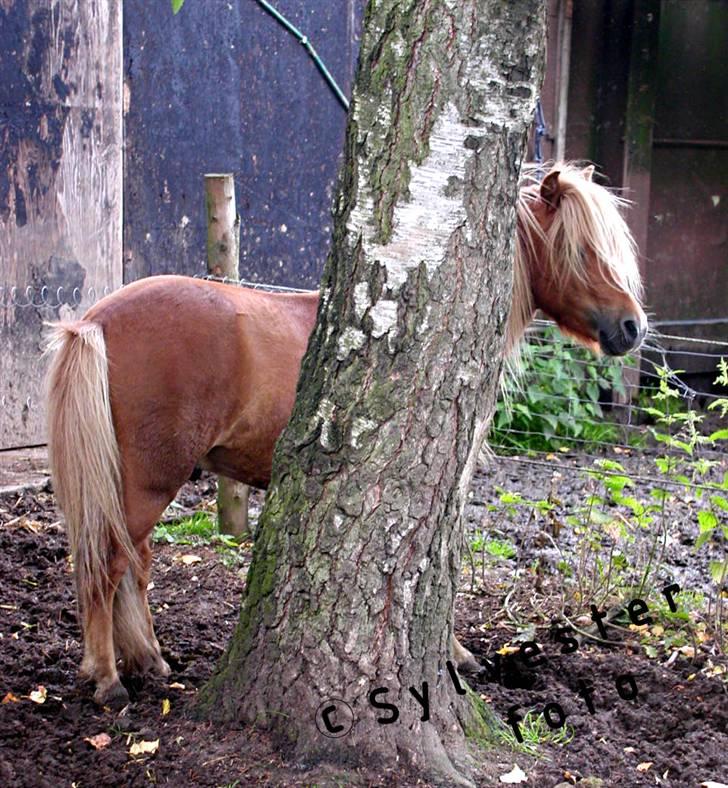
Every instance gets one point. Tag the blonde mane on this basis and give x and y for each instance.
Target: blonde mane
(588, 215)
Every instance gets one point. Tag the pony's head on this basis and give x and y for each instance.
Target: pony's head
(576, 261)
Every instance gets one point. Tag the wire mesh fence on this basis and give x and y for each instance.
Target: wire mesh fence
(599, 405)
(563, 399)
(620, 468)
(610, 447)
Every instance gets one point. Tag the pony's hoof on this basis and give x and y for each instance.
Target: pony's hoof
(155, 665)
(469, 666)
(464, 659)
(113, 695)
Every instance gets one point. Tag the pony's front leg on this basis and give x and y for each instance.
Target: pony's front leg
(99, 659)
(134, 637)
(464, 659)
(159, 664)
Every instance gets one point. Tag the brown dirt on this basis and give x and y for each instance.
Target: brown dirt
(195, 608)
(678, 723)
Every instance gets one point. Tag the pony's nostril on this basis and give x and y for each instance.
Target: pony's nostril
(630, 330)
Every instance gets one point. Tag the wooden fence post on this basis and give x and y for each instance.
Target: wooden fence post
(223, 252)
(637, 162)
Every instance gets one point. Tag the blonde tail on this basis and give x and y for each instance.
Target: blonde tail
(84, 457)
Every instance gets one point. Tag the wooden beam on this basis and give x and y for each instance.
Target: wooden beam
(640, 116)
(638, 134)
(223, 254)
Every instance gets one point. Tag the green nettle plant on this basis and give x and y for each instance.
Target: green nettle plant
(620, 536)
(607, 537)
(680, 433)
(611, 561)
(554, 400)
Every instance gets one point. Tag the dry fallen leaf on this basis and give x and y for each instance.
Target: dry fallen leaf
(505, 650)
(144, 747)
(166, 706)
(629, 749)
(638, 627)
(515, 775)
(712, 670)
(39, 695)
(176, 685)
(190, 559)
(11, 698)
(644, 766)
(99, 741)
(711, 784)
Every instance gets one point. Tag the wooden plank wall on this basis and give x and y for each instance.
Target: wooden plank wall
(60, 183)
(687, 250)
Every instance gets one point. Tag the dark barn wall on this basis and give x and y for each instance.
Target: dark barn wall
(223, 87)
(687, 252)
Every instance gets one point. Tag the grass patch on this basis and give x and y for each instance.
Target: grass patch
(536, 732)
(198, 529)
(201, 530)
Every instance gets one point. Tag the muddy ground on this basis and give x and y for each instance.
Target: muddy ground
(674, 733)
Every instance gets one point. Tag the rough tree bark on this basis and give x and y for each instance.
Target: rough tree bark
(223, 260)
(357, 559)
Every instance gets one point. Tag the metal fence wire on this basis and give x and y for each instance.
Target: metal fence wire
(626, 424)
(618, 424)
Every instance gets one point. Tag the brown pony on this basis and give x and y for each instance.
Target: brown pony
(172, 373)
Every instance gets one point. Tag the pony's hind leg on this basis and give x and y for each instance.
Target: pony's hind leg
(99, 658)
(133, 627)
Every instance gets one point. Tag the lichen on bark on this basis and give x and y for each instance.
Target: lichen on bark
(355, 568)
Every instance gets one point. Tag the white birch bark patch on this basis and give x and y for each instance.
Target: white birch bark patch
(422, 226)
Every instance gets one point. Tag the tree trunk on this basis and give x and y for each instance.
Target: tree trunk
(356, 565)
(223, 255)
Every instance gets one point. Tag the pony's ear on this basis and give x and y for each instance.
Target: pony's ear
(550, 189)
(587, 172)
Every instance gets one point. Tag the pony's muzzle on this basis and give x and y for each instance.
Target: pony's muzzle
(617, 337)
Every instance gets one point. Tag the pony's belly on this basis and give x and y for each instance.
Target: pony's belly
(238, 465)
